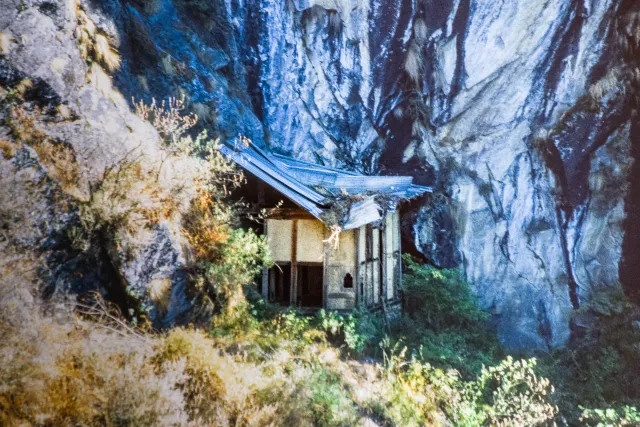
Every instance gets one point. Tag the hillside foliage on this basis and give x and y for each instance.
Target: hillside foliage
(250, 363)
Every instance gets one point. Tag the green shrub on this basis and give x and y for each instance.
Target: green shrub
(356, 331)
(226, 257)
(512, 394)
(625, 416)
(330, 403)
(508, 394)
(443, 318)
(601, 365)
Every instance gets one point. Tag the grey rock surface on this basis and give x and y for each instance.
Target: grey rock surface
(102, 132)
(495, 104)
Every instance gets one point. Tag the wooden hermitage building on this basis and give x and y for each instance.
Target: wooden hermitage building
(334, 236)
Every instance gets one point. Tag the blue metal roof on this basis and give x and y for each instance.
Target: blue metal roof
(315, 188)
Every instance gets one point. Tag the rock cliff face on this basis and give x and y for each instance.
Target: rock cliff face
(510, 109)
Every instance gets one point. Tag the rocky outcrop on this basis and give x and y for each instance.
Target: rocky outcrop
(65, 132)
(503, 107)
(508, 109)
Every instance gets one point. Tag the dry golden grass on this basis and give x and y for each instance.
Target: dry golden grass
(7, 148)
(93, 45)
(23, 127)
(168, 118)
(204, 233)
(160, 293)
(105, 53)
(59, 159)
(78, 373)
(130, 197)
(63, 370)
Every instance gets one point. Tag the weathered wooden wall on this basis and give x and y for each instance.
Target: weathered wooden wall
(279, 238)
(339, 262)
(371, 255)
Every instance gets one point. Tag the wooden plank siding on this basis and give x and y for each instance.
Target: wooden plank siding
(294, 264)
(375, 265)
(397, 254)
(361, 259)
(388, 257)
(369, 254)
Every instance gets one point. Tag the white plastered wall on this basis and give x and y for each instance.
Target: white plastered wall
(338, 262)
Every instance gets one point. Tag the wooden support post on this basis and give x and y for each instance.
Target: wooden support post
(265, 284)
(376, 265)
(294, 265)
(383, 261)
(325, 275)
(361, 264)
(397, 250)
(265, 273)
(389, 264)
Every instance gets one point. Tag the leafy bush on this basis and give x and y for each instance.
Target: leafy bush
(270, 368)
(442, 317)
(356, 331)
(82, 374)
(330, 403)
(625, 416)
(225, 256)
(600, 367)
(512, 394)
(509, 394)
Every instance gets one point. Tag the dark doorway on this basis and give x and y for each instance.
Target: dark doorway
(280, 284)
(310, 285)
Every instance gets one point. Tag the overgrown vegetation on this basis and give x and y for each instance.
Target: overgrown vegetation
(225, 255)
(601, 367)
(261, 365)
(442, 315)
(257, 366)
(251, 363)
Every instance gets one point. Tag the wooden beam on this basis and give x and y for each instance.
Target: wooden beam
(265, 273)
(389, 256)
(398, 250)
(289, 213)
(325, 282)
(293, 293)
(375, 256)
(383, 259)
(360, 263)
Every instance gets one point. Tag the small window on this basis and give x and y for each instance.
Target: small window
(348, 281)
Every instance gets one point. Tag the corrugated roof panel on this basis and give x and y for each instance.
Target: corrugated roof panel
(311, 186)
(362, 213)
(295, 197)
(313, 177)
(302, 164)
(373, 183)
(251, 155)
